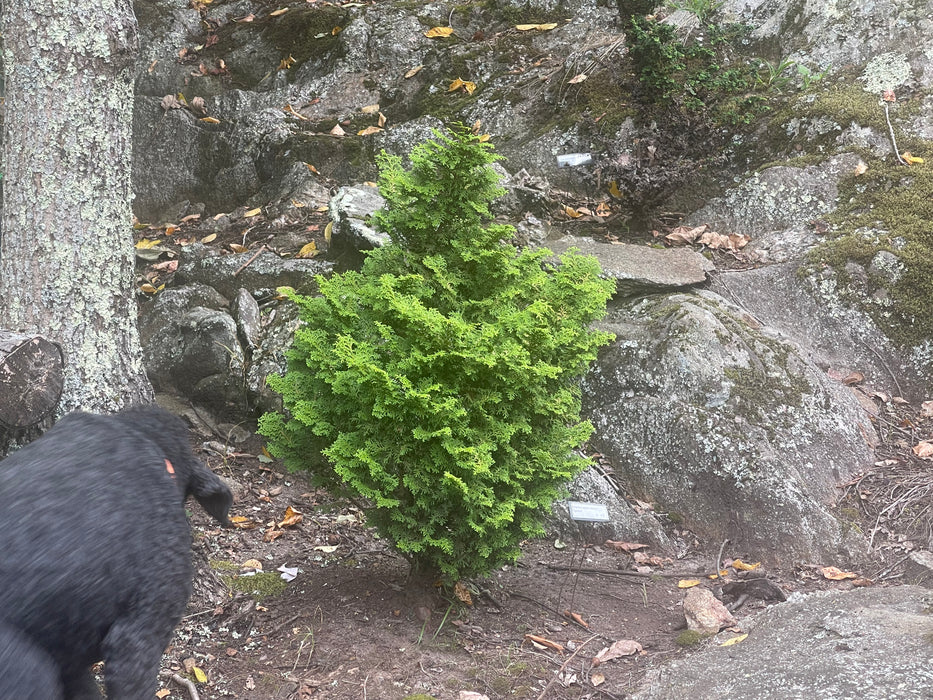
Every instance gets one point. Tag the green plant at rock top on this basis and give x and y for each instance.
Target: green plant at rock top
(440, 383)
(694, 76)
(774, 75)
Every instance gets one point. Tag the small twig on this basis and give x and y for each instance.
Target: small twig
(880, 358)
(250, 261)
(302, 646)
(719, 556)
(893, 566)
(891, 132)
(616, 572)
(278, 628)
(564, 665)
(184, 682)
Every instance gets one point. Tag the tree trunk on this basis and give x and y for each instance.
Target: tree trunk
(66, 254)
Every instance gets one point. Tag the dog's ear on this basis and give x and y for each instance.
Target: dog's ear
(212, 493)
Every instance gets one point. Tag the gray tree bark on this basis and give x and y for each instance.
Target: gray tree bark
(66, 254)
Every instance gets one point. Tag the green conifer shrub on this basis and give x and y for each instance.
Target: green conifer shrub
(440, 384)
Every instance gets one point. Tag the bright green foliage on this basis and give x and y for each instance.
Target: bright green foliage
(699, 76)
(441, 383)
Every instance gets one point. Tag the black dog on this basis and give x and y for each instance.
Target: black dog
(95, 547)
(28, 673)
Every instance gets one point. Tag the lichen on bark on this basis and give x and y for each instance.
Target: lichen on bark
(66, 256)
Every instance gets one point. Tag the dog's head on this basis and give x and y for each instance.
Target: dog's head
(212, 493)
(170, 434)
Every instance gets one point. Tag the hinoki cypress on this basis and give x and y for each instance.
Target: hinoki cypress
(439, 386)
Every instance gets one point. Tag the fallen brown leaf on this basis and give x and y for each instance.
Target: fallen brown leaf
(463, 593)
(834, 574)
(623, 647)
(292, 517)
(545, 642)
(924, 449)
(576, 617)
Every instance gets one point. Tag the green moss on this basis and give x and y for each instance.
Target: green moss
(511, 13)
(888, 208)
(833, 108)
(419, 696)
(689, 638)
(223, 565)
(449, 107)
(848, 103)
(306, 32)
(600, 96)
(259, 586)
(500, 685)
(850, 514)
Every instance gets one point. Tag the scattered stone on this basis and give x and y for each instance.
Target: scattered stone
(754, 587)
(919, 568)
(705, 613)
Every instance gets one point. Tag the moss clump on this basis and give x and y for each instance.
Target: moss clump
(600, 95)
(259, 586)
(303, 33)
(223, 565)
(888, 208)
(689, 638)
(847, 104)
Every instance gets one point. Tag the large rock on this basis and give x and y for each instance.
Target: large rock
(350, 210)
(807, 307)
(190, 347)
(776, 199)
(825, 34)
(641, 268)
(864, 643)
(260, 273)
(178, 157)
(701, 411)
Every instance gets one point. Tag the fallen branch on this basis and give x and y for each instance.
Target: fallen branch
(615, 572)
(719, 557)
(564, 665)
(184, 682)
(250, 261)
(891, 132)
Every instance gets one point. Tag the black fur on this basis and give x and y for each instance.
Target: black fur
(95, 560)
(28, 673)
